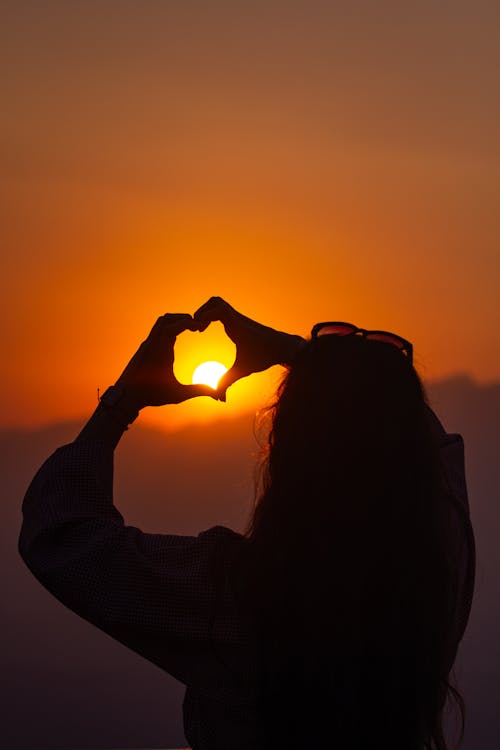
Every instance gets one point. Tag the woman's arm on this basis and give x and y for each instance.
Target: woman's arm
(152, 592)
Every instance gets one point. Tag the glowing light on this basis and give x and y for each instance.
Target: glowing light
(209, 373)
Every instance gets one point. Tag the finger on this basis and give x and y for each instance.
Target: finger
(176, 323)
(214, 309)
(212, 302)
(174, 319)
(160, 322)
(229, 377)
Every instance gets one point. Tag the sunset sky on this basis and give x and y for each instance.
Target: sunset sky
(305, 160)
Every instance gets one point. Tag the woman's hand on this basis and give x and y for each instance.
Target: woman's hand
(257, 346)
(149, 378)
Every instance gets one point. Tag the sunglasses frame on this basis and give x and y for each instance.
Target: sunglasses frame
(404, 345)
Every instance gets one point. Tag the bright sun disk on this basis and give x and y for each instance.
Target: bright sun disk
(209, 373)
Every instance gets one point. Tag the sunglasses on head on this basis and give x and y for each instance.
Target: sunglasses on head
(348, 329)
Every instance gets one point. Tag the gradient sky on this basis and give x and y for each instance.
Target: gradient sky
(304, 160)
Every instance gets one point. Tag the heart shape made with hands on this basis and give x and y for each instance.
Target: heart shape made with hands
(193, 349)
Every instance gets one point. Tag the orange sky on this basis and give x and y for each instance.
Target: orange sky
(305, 162)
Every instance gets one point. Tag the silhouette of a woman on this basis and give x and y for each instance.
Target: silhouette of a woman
(335, 620)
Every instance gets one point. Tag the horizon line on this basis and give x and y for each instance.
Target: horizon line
(193, 423)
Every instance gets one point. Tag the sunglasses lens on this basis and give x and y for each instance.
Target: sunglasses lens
(387, 339)
(339, 329)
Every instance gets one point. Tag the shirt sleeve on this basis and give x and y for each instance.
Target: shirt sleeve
(152, 592)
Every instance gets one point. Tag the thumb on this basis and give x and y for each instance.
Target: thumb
(191, 391)
(229, 377)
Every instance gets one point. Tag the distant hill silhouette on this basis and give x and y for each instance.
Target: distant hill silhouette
(74, 687)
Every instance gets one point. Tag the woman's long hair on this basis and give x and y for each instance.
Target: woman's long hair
(348, 571)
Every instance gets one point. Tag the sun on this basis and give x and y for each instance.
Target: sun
(209, 373)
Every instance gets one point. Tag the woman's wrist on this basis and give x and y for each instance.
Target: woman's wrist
(111, 418)
(121, 402)
(289, 348)
(102, 426)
